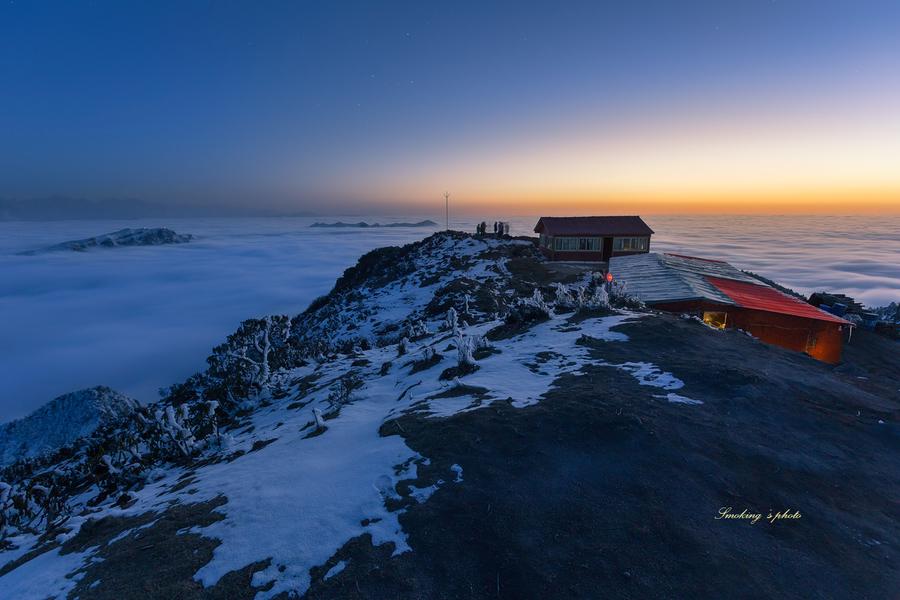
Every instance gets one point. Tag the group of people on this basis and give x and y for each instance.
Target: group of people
(500, 228)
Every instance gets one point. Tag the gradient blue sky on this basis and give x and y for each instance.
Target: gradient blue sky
(381, 106)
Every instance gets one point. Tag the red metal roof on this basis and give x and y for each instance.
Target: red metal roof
(592, 226)
(762, 297)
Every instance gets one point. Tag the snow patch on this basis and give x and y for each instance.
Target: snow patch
(335, 569)
(649, 374)
(678, 399)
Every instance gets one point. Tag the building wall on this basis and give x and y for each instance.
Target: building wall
(574, 255)
(822, 340)
(584, 255)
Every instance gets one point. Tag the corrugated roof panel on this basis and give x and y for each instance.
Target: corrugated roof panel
(653, 279)
(759, 297)
(704, 266)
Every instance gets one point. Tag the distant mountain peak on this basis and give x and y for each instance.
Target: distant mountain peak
(139, 236)
(61, 422)
(364, 224)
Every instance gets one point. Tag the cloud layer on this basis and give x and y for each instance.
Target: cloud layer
(136, 319)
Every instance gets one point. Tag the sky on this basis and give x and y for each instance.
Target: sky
(340, 107)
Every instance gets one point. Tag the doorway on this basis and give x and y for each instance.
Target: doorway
(607, 248)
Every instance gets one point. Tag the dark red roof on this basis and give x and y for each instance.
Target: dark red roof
(763, 297)
(592, 226)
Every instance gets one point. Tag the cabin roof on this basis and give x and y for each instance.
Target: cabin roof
(763, 297)
(661, 278)
(654, 277)
(586, 226)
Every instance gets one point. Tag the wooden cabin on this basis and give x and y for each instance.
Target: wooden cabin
(592, 239)
(726, 297)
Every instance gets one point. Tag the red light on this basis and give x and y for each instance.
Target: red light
(609, 277)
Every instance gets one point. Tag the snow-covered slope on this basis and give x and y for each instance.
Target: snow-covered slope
(293, 429)
(62, 421)
(142, 236)
(889, 313)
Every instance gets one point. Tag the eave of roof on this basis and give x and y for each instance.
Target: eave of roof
(768, 299)
(669, 278)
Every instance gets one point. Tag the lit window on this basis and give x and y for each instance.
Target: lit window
(715, 319)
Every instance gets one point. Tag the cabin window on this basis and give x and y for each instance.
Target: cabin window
(631, 244)
(576, 243)
(715, 319)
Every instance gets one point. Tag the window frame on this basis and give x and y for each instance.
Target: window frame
(577, 244)
(634, 244)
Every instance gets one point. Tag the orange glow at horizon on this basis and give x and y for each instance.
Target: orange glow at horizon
(737, 204)
(838, 158)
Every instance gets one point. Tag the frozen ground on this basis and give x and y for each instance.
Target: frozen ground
(557, 455)
(136, 319)
(287, 482)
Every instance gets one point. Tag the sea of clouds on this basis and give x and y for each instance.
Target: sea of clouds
(140, 318)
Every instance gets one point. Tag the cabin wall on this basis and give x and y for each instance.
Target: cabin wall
(822, 340)
(574, 255)
(693, 306)
(600, 255)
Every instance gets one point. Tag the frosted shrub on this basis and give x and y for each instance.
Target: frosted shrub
(317, 415)
(579, 295)
(246, 361)
(173, 428)
(464, 350)
(563, 296)
(621, 298)
(452, 321)
(403, 347)
(342, 393)
(210, 419)
(524, 313)
(598, 300)
(417, 329)
(226, 441)
(536, 303)
(480, 343)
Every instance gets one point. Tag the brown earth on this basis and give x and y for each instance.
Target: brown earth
(603, 490)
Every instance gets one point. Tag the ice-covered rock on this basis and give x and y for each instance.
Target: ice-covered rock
(141, 236)
(61, 422)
